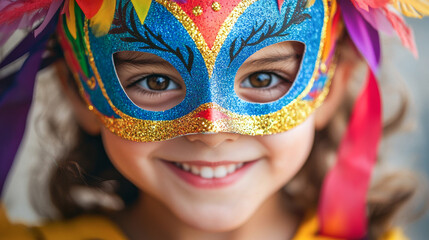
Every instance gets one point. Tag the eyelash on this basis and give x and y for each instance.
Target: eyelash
(141, 90)
(272, 88)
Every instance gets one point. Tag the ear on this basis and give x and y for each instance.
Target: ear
(347, 63)
(85, 118)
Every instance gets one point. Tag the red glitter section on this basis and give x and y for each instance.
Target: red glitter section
(210, 21)
(279, 4)
(211, 114)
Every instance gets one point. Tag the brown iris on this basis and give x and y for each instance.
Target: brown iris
(158, 83)
(260, 80)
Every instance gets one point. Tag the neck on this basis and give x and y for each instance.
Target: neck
(151, 219)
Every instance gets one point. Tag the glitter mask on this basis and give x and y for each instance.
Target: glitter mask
(207, 61)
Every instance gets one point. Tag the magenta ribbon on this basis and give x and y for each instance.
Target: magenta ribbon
(342, 206)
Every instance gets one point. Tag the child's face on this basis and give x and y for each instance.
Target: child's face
(194, 175)
(214, 204)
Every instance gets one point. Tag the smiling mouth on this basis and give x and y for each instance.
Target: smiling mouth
(208, 174)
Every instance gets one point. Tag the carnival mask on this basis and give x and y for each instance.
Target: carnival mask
(205, 43)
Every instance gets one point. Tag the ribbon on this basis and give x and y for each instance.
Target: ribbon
(342, 205)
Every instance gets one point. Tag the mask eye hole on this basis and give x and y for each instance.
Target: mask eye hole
(268, 74)
(149, 81)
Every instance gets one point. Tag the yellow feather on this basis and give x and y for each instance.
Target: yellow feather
(310, 3)
(71, 19)
(142, 8)
(102, 20)
(412, 8)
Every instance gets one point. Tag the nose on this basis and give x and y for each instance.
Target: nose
(213, 139)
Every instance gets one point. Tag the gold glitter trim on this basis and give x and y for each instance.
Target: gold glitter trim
(197, 10)
(91, 83)
(209, 55)
(147, 130)
(319, 54)
(216, 6)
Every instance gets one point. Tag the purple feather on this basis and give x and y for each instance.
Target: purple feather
(364, 36)
(16, 96)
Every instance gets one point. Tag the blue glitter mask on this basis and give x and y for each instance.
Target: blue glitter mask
(207, 61)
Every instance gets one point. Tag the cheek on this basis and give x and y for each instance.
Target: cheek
(289, 151)
(131, 159)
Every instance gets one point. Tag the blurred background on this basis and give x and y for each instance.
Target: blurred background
(409, 149)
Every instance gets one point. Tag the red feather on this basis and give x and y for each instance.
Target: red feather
(89, 7)
(17, 10)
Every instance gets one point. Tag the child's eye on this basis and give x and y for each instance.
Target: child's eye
(157, 83)
(262, 80)
(263, 87)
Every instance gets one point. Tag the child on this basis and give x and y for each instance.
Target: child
(206, 110)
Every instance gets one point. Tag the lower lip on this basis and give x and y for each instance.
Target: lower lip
(200, 182)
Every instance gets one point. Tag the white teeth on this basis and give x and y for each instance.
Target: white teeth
(210, 172)
(220, 172)
(231, 168)
(186, 167)
(195, 170)
(206, 172)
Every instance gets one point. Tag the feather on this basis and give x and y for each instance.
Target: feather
(71, 18)
(310, 3)
(102, 20)
(19, 15)
(56, 4)
(378, 20)
(14, 10)
(142, 8)
(364, 4)
(404, 32)
(89, 7)
(364, 36)
(412, 8)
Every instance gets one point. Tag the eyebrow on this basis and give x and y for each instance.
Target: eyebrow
(272, 59)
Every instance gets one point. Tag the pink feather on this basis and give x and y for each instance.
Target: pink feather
(404, 32)
(377, 19)
(364, 4)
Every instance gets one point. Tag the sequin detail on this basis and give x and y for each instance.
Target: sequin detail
(216, 6)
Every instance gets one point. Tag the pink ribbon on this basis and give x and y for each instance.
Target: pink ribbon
(342, 205)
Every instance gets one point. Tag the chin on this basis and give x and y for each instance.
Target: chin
(215, 219)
